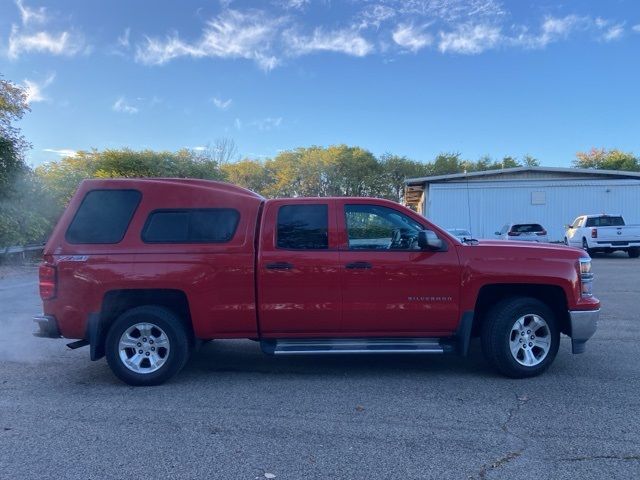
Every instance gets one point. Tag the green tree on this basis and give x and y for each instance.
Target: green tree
(447, 163)
(603, 159)
(396, 170)
(62, 177)
(13, 106)
(26, 212)
(248, 173)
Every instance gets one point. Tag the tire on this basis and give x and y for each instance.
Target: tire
(585, 246)
(501, 329)
(633, 252)
(566, 241)
(161, 336)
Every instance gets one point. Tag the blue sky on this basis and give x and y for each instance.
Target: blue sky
(412, 77)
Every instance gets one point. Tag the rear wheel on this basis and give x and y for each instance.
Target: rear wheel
(520, 337)
(633, 252)
(147, 346)
(585, 246)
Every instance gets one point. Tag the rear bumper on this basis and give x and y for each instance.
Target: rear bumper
(615, 246)
(47, 326)
(583, 325)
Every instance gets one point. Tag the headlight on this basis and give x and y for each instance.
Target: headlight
(586, 277)
(585, 265)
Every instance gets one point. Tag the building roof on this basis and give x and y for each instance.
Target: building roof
(547, 171)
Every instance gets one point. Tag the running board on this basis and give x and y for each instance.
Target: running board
(324, 346)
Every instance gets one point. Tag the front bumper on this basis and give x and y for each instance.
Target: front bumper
(47, 326)
(583, 325)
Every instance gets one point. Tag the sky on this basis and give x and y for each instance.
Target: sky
(409, 77)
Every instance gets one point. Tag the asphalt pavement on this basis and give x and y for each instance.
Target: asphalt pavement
(234, 413)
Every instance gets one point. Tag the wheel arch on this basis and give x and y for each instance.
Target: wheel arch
(551, 295)
(116, 302)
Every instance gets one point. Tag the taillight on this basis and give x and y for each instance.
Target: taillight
(594, 233)
(543, 232)
(513, 234)
(48, 279)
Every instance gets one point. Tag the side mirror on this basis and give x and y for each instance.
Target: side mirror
(568, 227)
(427, 240)
(497, 233)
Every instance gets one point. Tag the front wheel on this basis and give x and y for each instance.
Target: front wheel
(520, 337)
(147, 346)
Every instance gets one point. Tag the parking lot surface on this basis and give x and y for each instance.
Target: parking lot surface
(235, 413)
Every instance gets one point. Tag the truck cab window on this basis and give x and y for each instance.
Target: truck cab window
(372, 227)
(303, 227)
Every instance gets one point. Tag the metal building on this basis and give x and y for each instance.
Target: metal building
(484, 201)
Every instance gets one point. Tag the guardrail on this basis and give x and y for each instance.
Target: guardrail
(20, 249)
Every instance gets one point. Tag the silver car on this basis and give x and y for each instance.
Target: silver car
(523, 232)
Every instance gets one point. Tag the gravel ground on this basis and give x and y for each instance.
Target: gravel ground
(235, 413)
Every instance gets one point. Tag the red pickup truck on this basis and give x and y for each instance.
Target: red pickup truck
(142, 270)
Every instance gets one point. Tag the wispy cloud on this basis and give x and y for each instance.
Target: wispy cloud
(470, 39)
(375, 15)
(35, 90)
(610, 30)
(449, 10)
(221, 104)
(63, 152)
(292, 4)
(123, 40)
(411, 37)
(232, 34)
(468, 27)
(636, 28)
(31, 15)
(614, 32)
(268, 123)
(63, 43)
(121, 105)
(347, 41)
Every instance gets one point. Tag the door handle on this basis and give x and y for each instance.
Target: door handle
(279, 266)
(358, 265)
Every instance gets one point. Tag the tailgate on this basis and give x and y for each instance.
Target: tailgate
(629, 233)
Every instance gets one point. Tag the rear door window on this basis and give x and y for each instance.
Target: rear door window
(210, 225)
(103, 217)
(303, 227)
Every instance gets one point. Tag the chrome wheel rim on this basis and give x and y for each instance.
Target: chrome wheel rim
(144, 348)
(530, 340)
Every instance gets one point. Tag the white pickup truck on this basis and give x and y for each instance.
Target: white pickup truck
(604, 233)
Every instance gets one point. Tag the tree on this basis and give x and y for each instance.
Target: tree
(224, 150)
(447, 163)
(603, 159)
(248, 173)
(396, 170)
(13, 105)
(62, 177)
